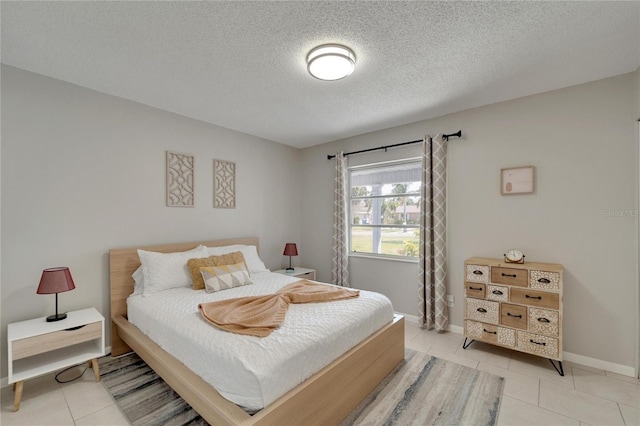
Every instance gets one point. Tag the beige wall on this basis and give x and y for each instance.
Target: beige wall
(83, 172)
(582, 142)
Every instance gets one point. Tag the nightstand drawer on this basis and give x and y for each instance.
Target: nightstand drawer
(35, 345)
(510, 276)
(541, 299)
(307, 275)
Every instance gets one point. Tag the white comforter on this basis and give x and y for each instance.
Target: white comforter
(250, 371)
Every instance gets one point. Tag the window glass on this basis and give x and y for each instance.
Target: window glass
(384, 208)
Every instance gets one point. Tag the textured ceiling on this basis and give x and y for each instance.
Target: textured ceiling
(241, 65)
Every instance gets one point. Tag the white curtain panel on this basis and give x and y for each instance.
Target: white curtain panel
(433, 207)
(340, 270)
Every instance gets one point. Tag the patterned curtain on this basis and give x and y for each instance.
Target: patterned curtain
(340, 270)
(433, 277)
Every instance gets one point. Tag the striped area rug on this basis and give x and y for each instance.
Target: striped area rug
(425, 390)
(422, 390)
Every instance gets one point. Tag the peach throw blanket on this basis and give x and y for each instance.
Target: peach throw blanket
(260, 315)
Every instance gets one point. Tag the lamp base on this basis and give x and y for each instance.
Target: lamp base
(56, 317)
(290, 269)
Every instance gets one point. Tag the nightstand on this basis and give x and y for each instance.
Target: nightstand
(37, 347)
(309, 274)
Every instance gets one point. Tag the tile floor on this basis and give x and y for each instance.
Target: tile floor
(534, 393)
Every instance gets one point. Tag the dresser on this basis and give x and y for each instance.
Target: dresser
(518, 306)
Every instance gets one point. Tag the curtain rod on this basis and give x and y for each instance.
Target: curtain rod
(446, 138)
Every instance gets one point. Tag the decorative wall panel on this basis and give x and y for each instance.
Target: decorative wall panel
(180, 180)
(224, 184)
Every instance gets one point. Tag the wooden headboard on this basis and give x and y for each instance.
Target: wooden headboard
(124, 262)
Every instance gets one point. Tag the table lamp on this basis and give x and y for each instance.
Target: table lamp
(290, 249)
(55, 280)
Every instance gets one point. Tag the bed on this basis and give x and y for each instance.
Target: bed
(326, 397)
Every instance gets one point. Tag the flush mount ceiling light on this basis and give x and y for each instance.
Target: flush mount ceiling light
(331, 62)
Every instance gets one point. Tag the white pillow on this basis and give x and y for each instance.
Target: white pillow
(138, 281)
(250, 253)
(163, 271)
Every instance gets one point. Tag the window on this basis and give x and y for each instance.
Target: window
(384, 208)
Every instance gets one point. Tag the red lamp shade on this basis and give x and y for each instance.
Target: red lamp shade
(54, 281)
(290, 249)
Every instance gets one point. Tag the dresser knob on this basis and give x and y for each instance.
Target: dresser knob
(490, 332)
(538, 343)
(477, 272)
(509, 275)
(497, 292)
(483, 310)
(475, 288)
(509, 314)
(543, 320)
(533, 297)
(544, 281)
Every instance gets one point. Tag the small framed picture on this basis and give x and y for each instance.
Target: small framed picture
(517, 180)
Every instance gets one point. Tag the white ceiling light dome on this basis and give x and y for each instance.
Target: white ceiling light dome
(331, 62)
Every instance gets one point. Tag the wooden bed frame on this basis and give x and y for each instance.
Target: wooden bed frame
(325, 398)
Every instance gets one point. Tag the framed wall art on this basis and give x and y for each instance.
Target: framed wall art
(224, 184)
(517, 180)
(180, 179)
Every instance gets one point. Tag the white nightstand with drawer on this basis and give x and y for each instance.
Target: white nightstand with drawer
(37, 347)
(309, 274)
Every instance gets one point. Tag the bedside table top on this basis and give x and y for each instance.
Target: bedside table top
(296, 271)
(38, 326)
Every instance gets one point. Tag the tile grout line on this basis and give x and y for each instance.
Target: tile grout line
(621, 415)
(64, 395)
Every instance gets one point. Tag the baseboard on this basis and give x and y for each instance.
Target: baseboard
(624, 370)
(415, 320)
(4, 381)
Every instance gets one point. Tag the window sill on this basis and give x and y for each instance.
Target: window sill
(383, 257)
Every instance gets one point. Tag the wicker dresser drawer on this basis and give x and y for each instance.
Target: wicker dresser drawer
(477, 274)
(476, 290)
(482, 310)
(544, 321)
(513, 315)
(507, 337)
(510, 276)
(541, 299)
(490, 333)
(538, 344)
(473, 329)
(543, 280)
(498, 293)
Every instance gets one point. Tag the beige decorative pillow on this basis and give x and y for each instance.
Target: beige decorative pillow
(224, 277)
(225, 259)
